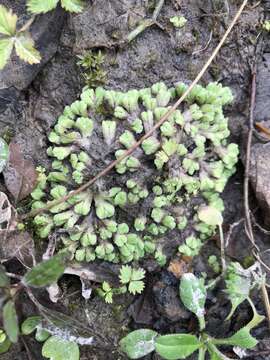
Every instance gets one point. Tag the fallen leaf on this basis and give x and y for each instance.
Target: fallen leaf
(180, 266)
(57, 323)
(19, 245)
(5, 211)
(20, 174)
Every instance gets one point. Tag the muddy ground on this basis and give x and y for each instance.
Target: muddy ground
(32, 97)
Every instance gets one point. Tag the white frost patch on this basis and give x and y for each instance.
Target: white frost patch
(196, 297)
(65, 335)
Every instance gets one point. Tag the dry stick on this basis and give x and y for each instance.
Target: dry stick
(248, 221)
(248, 224)
(149, 133)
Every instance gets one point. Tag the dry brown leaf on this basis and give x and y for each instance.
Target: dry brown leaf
(5, 211)
(180, 266)
(20, 174)
(17, 244)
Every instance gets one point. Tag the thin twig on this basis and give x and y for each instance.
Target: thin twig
(248, 223)
(146, 23)
(222, 249)
(229, 233)
(149, 133)
(157, 9)
(196, 52)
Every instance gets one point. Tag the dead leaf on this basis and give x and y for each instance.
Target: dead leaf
(180, 266)
(19, 245)
(20, 174)
(5, 211)
(88, 274)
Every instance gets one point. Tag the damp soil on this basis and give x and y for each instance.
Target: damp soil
(32, 97)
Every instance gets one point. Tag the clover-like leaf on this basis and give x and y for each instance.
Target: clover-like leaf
(24, 46)
(56, 348)
(75, 6)
(47, 272)
(8, 21)
(10, 321)
(210, 215)
(177, 346)
(6, 46)
(139, 343)
(41, 6)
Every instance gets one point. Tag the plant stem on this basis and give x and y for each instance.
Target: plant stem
(201, 323)
(202, 352)
(222, 249)
(149, 133)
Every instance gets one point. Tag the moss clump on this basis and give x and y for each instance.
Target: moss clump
(91, 63)
(153, 195)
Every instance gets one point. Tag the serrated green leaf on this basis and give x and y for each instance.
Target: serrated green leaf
(76, 6)
(136, 287)
(125, 274)
(210, 216)
(46, 273)
(10, 321)
(8, 21)
(41, 6)
(137, 274)
(177, 346)
(58, 349)
(139, 343)
(6, 46)
(4, 279)
(24, 46)
(30, 324)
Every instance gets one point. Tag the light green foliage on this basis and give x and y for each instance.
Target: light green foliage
(106, 292)
(56, 348)
(239, 282)
(180, 346)
(266, 25)
(10, 38)
(214, 264)
(10, 321)
(193, 296)
(152, 189)
(177, 346)
(91, 63)
(139, 343)
(46, 272)
(43, 6)
(5, 343)
(178, 21)
(3, 154)
(132, 278)
(191, 247)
